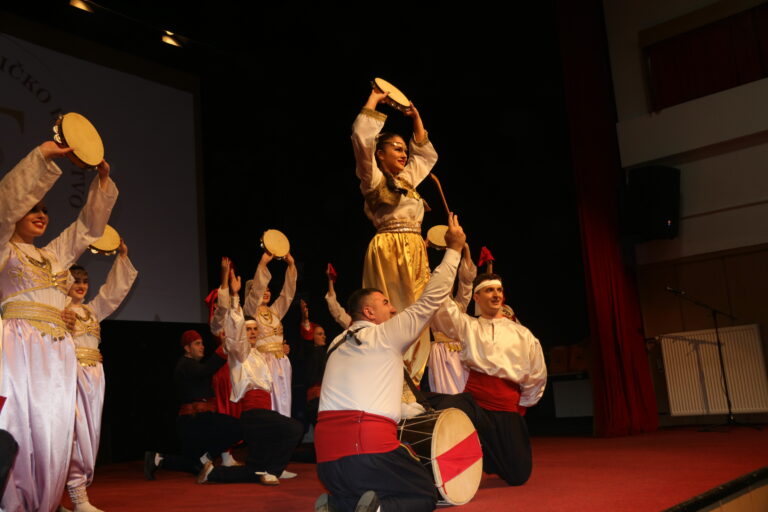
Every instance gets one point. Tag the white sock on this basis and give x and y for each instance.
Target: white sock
(204, 459)
(227, 459)
(158, 459)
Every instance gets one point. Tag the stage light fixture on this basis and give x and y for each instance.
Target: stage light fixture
(168, 38)
(81, 4)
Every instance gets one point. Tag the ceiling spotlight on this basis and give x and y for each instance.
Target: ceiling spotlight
(81, 4)
(168, 38)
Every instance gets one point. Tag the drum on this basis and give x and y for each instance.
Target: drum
(108, 243)
(436, 236)
(446, 443)
(396, 99)
(275, 243)
(75, 131)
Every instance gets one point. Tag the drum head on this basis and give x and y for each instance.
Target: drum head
(108, 243)
(436, 236)
(276, 243)
(457, 457)
(80, 135)
(394, 93)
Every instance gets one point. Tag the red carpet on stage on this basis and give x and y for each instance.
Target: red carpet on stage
(646, 473)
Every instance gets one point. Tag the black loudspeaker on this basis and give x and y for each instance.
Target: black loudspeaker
(651, 203)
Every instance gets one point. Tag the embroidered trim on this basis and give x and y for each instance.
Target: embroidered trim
(422, 143)
(46, 319)
(78, 494)
(400, 226)
(379, 116)
(87, 326)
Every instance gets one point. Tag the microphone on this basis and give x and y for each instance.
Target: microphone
(674, 290)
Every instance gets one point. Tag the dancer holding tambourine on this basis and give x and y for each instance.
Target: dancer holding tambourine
(389, 172)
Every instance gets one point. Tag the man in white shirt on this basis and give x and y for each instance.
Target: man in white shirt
(360, 460)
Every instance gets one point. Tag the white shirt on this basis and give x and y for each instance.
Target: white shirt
(498, 347)
(369, 377)
(247, 367)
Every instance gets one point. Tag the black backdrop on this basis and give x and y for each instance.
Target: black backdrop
(279, 89)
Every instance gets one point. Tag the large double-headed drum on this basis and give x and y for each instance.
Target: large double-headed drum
(446, 443)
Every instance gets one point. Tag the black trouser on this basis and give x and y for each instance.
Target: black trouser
(201, 433)
(503, 435)
(271, 438)
(8, 450)
(400, 482)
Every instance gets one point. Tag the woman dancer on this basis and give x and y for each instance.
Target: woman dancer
(396, 259)
(90, 372)
(38, 357)
(270, 328)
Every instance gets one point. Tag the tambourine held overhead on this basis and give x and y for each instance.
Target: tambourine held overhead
(74, 131)
(108, 244)
(396, 98)
(275, 243)
(436, 237)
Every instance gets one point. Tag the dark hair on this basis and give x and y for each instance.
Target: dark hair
(77, 269)
(484, 277)
(381, 140)
(355, 301)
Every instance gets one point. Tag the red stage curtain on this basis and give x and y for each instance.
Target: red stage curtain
(624, 400)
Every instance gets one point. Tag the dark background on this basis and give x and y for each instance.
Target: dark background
(278, 89)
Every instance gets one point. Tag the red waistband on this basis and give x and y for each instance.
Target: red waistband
(494, 393)
(342, 433)
(256, 399)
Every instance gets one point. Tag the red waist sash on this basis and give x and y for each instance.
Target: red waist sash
(342, 433)
(256, 399)
(494, 393)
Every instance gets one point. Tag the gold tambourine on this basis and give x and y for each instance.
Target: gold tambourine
(275, 243)
(108, 244)
(436, 237)
(75, 131)
(396, 98)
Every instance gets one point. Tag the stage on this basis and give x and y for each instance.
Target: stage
(644, 473)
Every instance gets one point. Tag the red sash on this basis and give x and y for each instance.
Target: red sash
(256, 399)
(342, 433)
(494, 393)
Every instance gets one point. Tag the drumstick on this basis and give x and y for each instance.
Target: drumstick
(440, 189)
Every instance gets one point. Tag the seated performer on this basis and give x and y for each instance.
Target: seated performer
(204, 433)
(90, 372)
(270, 436)
(360, 460)
(270, 339)
(507, 374)
(447, 374)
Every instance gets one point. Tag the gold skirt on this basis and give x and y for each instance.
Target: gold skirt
(396, 264)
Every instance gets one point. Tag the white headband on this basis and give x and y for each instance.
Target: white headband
(486, 284)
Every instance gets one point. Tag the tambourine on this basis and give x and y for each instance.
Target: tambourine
(75, 131)
(396, 98)
(108, 244)
(275, 243)
(436, 236)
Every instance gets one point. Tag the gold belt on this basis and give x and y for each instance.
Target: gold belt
(266, 332)
(88, 356)
(451, 345)
(275, 347)
(400, 226)
(46, 319)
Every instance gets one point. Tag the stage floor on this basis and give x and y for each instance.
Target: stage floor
(649, 472)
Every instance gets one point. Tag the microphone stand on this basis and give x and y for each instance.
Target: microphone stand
(730, 420)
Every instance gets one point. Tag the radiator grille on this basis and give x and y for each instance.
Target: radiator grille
(694, 379)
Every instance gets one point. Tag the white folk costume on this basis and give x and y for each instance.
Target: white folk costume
(337, 311)
(447, 374)
(507, 375)
(270, 436)
(271, 339)
(38, 357)
(356, 437)
(396, 259)
(90, 373)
